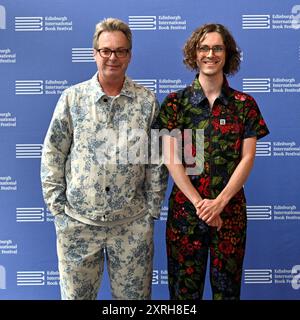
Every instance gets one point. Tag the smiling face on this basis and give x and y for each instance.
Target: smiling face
(211, 63)
(112, 68)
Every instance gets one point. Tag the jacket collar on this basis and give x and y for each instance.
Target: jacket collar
(98, 93)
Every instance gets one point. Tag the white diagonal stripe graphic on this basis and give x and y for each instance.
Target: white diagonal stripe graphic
(148, 83)
(29, 23)
(256, 21)
(263, 148)
(30, 278)
(29, 150)
(256, 84)
(30, 214)
(259, 212)
(29, 87)
(82, 55)
(142, 22)
(258, 276)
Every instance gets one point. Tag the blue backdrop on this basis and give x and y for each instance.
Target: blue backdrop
(46, 46)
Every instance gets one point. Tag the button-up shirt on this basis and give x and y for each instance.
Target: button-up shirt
(233, 117)
(95, 163)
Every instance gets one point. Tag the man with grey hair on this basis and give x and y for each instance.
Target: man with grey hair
(97, 179)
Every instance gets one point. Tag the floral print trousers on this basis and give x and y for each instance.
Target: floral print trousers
(190, 242)
(128, 249)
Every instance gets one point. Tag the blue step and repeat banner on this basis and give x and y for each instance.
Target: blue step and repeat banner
(46, 46)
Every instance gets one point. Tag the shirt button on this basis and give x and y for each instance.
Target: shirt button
(103, 218)
(107, 189)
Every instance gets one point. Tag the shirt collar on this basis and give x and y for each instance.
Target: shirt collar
(98, 93)
(199, 96)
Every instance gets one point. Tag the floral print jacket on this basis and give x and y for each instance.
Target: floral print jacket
(75, 177)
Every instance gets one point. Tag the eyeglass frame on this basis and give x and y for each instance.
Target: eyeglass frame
(116, 52)
(205, 49)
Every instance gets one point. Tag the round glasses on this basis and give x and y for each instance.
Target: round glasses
(119, 53)
(215, 49)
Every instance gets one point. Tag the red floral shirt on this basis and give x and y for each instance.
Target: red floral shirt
(234, 116)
